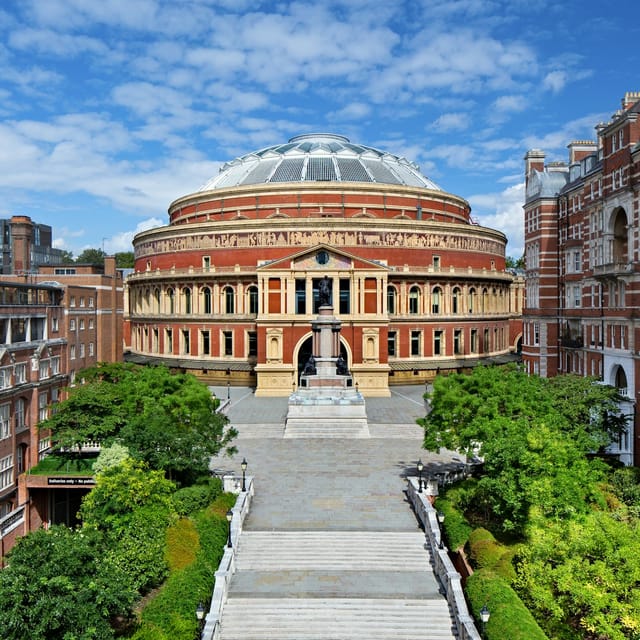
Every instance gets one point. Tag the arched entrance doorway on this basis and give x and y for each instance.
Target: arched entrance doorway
(305, 351)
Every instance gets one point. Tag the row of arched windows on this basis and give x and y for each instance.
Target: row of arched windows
(473, 300)
(182, 300)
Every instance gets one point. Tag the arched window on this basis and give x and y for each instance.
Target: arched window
(436, 300)
(414, 300)
(391, 300)
(252, 295)
(156, 300)
(455, 300)
(186, 297)
(485, 300)
(229, 300)
(171, 301)
(206, 300)
(472, 300)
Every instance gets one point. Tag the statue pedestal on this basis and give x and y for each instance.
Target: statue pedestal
(326, 404)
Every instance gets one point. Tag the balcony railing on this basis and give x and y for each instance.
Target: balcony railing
(572, 343)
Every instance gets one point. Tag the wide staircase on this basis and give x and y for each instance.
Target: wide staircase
(325, 585)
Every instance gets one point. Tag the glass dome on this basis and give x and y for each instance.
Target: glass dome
(319, 157)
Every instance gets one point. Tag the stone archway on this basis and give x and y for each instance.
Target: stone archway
(304, 351)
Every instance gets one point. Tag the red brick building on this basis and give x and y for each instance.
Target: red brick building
(228, 288)
(54, 321)
(32, 376)
(582, 247)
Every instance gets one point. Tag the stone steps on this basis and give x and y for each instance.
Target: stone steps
(336, 428)
(335, 619)
(332, 551)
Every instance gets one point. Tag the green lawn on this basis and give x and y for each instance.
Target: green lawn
(60, 464)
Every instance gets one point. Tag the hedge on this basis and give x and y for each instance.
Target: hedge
(456, 528)
(487, 553)
(170, 615)
(509, 617)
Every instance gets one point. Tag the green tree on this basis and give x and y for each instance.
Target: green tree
(67, 257)
(580, 577)
(124, 259)
(168, 420)
(534, 435)
(132, 507)
(56, 587)
(91, 256)
(514, 263)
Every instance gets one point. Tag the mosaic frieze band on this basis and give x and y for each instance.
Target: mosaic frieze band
(259, 239)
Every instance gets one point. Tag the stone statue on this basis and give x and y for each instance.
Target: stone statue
(310, 367)
(341, 367)
(324, 292)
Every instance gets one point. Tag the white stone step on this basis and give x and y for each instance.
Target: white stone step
(334, 428)
(396, 431)
(264, 430)
(332, 550)
(335, 619)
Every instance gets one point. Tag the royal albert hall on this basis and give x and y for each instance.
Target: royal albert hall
(229, 288)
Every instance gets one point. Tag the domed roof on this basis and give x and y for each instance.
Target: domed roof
(319, 157)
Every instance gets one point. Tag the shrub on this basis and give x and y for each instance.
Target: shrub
(171, 614)
(110, 457)
(456, 527)
(190, 499)
(487, 553)
(509, 616)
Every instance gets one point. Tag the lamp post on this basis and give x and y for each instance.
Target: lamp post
(440, 521)
(485, 614)
(243, 465)
(229, 519)
(228, 384)
(420, 468)
(200, 618)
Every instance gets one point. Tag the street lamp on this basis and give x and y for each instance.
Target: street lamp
(200, 618)
(229, 519)
(228, 384)
(243, 465)
(485, 614)
(420, 468)
(440, 516)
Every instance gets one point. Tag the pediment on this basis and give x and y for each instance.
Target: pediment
(321, 258)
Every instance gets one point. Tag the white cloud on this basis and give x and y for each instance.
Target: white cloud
(123, 241)
(555, 81)
(452, 122)
(510, 103)
(503, 211)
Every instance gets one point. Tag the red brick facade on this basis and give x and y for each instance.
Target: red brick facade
(582, 248)
(229, 287)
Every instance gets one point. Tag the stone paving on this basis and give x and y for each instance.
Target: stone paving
(333, 485)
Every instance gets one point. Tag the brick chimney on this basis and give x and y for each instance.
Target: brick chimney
(579, 149)
(21, 234)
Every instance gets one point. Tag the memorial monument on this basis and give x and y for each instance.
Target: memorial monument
(326, 402)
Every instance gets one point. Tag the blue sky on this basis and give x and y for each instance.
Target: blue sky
(111, 109)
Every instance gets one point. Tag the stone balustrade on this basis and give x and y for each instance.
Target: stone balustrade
(444, 569)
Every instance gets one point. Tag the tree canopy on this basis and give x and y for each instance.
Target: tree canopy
(534, 435)
(57, 587)
(167, 420)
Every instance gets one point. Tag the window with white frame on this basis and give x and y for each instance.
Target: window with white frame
(5, 420)
(81, 324)
(72, 352)
(43, 448)
(54, 324)
(82, 301)
(5, 377)
(82, 350)
(72, 324)
(43, 411)
(90, 323)
(55, 365)
(91, 301)
(43, 370)
(20, 373)
(6, 472)
(577, 296)
(19, 413)
(92, 348)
